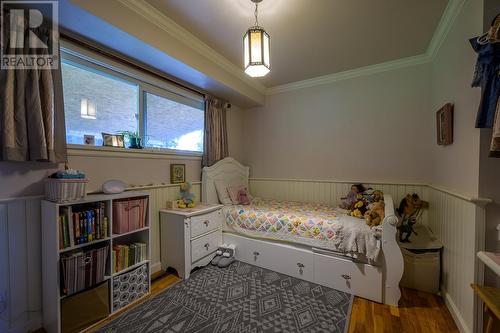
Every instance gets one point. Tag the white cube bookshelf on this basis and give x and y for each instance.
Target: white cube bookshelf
(51, 252)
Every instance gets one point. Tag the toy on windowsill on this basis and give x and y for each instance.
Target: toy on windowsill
(410, 210)
(186, 198)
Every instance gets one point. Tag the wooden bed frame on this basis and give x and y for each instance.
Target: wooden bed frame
(378, 282)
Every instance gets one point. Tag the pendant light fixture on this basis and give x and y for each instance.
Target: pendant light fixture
(256, 48)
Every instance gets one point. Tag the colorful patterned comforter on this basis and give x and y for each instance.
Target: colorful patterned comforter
(317, 225)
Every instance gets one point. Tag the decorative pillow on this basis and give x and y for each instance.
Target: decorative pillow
(222, 186)
(239, 195)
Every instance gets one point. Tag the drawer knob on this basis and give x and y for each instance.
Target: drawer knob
(206, 222)
(207, 246)
(255, 253)
(346, 277)
(300, 265)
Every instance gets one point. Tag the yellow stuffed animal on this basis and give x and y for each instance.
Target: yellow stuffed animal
(359, 209)
(376, 214)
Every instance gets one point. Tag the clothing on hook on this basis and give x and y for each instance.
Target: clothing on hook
(487, 76)
(495, 137)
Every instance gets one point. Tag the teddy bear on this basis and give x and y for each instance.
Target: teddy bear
(378, 196)
(359, 208)
(376, 214)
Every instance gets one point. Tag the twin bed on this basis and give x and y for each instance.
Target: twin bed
(311, 241)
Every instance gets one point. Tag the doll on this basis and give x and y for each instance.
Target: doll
(351, 198)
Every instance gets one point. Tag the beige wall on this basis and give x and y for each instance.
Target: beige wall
(25, 179)
(235, 132)
(456, 167)
(370, 128)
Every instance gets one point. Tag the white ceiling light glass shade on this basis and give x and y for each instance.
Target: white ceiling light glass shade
(256, 49)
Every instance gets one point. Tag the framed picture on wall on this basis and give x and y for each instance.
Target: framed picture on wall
(444, 125)
(177, 173)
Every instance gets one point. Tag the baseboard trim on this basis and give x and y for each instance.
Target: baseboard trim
(155, 267)
(455, 313)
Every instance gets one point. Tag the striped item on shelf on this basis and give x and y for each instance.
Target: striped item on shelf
(83, 269)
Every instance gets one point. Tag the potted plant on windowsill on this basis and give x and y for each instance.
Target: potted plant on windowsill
(134, 139)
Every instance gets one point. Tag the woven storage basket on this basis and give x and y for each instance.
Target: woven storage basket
(64, 190)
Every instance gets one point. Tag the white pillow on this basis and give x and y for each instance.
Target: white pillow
(222, 185)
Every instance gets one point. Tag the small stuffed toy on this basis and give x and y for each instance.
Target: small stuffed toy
(378, 196)
(352, 197)
(410, 210)
(186, 197)
(376, 214)
(243, 197)
(359, 208)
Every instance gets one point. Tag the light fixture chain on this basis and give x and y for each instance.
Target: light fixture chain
(256, 14)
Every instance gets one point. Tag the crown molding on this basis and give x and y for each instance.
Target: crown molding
(168, 25)
(450, 13)
(350, 74)
(453, 8)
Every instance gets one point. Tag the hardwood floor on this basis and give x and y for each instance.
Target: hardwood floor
(419, 312)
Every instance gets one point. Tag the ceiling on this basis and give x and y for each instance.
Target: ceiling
(311, 38)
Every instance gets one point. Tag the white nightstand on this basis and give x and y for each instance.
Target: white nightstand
(189, 237)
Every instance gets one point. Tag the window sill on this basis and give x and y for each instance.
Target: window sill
(101, 151)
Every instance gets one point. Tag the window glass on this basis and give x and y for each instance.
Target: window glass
(173, 125)
(96, 102)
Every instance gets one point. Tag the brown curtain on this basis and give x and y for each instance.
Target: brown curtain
(215, 138)
(32, 126)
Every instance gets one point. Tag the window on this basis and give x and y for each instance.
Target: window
(101, 96)
(96, 103)
(173, 125)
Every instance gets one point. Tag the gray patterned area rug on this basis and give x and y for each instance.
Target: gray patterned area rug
(240, 298)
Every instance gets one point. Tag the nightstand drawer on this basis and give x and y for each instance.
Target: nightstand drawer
(201, 224)
(205, 245)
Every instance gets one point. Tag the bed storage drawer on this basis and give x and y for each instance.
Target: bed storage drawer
(201, 224)
(344, 275)
(205, 245)
(251, 251)
(277, 257)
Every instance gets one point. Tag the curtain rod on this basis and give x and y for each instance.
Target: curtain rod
(116, 56)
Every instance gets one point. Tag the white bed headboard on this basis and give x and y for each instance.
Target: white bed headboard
(225, 169)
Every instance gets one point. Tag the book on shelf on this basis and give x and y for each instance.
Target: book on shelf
(81, 225)
(128, 255)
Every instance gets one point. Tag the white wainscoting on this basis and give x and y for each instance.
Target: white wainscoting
(459, 223)
(326, 191)
(20, 265)
(20, 255)
(456, 220)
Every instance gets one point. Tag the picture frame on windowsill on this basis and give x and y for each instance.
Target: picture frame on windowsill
(113, 140)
